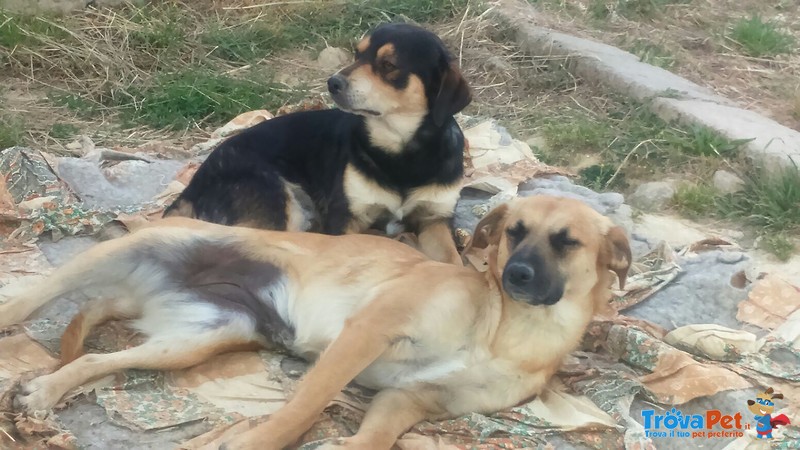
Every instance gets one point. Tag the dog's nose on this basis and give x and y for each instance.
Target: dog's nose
(519, 274)
(336, 84)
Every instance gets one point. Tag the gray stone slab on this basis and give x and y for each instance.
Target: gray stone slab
(674, 97)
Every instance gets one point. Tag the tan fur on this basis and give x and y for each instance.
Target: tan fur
(439, 340)
(363, 45)
(435, 203)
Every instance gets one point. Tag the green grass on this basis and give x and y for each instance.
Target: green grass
(760, 38)
(18, 30)
(779, 244)
(63, 131)
(701, 141)
(621, 126)
(768, 204)
(695, 200)
(770, 200)
(653, 54)
(198, 96)
(242, 43)
(160, 28)
(12, 132)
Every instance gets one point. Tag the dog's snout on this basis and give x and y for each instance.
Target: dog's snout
(520, 274)
(336, 84)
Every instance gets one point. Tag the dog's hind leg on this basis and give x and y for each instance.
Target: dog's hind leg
(105, 265)
(183, 345)
(93, 313)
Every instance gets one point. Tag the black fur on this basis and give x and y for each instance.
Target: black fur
(243, 180)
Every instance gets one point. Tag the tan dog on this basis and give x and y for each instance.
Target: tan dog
(438, 340)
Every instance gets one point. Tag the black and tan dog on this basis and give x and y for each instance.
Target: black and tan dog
(392, 152)
(437, 339)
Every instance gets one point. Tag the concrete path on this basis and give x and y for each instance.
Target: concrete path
(673, 97)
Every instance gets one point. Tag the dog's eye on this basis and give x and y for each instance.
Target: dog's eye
(516, 233)
(387, 66)
(561, 241)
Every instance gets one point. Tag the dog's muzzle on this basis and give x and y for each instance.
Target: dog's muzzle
(526, 282)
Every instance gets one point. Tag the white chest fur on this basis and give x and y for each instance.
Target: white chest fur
(368, 200)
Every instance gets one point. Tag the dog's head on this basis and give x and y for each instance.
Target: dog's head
(547, 248)
(401, 69)
(763, 404)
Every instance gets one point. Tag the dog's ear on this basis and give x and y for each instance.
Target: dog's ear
(769, 391)
(453, 96)
(488, 230)
(619, 253)
(774, 396)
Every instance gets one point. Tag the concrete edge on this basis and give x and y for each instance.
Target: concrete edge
(673, 97)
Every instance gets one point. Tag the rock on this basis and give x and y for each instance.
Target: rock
(652, 196)
(727, 182)
(333, 58)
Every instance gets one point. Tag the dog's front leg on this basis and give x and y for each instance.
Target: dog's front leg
(391, 413)
(363, 339)
(436, 241)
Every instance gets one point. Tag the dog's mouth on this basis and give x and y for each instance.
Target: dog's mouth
(762, 411)
(345, 105)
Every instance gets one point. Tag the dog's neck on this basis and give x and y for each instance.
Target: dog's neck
(392, 132)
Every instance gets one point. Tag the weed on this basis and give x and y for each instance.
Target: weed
(652, 54)
(770, 200)
(703, 141)
(243, 43)
(779, 244)
(22, 30)
(636, 9)
(12, 132)
(597, 176)
(76, 102)
(63, 130)
(598, 10)
(198, 96)
(158, 28)
(761, 38)
(695, 200)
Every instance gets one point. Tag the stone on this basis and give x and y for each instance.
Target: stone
(670, 96)
(332, 59)
(727, 182)
(652, 196)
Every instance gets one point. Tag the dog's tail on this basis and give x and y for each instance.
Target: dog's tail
(123, 265)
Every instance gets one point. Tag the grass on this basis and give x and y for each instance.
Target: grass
(695, 200)
(26, 30)
(242, 43)
(197, 96)
(626, 133)
(63, 130)
(769, 204)
(770, 200)
(144, 62)
(12, 132)
(653, 54)
(760, 38)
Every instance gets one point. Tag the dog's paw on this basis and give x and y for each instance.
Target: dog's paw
(36, 395)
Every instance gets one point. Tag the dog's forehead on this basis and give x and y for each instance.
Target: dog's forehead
(554, 214)
(403, 40)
